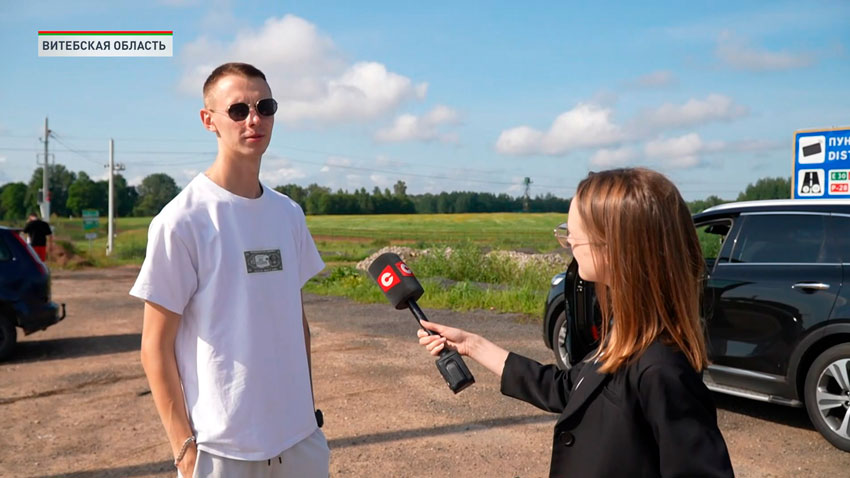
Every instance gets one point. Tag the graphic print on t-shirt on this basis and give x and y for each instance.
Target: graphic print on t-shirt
(263, 261)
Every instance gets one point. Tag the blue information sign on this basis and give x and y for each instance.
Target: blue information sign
(821, 164)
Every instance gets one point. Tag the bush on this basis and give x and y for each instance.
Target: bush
(468, 262)
(133, 249)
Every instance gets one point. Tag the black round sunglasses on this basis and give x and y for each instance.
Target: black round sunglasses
(240, 111)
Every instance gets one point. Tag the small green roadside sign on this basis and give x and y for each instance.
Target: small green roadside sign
(91, 221)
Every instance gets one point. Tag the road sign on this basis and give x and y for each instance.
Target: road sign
(821, 164)
(91, 220)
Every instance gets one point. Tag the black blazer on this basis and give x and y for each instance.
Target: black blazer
(652, 418)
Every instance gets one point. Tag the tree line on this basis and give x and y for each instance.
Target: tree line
(71, 192)
(315, 199)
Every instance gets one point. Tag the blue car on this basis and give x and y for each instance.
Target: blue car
(24, 291)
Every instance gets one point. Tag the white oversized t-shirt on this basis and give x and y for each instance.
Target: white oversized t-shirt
(233, 267)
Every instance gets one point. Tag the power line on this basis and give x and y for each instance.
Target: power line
(428, 176)
(315, 163)
(207, 154)
(78, 153)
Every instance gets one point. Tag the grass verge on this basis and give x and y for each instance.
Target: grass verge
(466, 280)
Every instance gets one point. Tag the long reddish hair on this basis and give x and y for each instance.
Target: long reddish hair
(641, 229)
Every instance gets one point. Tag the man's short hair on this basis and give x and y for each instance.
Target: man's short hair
(241, 69)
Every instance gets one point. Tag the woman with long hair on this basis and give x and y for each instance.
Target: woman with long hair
(637, 406)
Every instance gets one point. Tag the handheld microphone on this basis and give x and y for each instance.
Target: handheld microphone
(402, 289)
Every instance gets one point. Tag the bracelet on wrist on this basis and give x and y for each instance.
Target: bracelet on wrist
(183, 449)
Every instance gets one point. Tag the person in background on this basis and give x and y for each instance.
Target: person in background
(225, 340)
(637, 406)
(39, 236)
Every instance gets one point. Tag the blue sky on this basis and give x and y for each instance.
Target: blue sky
(443, 95)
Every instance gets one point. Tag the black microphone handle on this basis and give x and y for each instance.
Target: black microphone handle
(450, 364)
(420, 316)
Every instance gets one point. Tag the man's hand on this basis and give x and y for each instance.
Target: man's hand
(159, 330)
(187, 463)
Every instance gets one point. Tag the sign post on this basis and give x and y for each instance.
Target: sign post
(821, 164)
(91, 221)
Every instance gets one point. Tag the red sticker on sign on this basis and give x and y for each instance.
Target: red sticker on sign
(405, 271)
(387, 280)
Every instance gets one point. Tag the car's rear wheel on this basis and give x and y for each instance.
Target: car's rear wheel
(8, 337)
(559, 342)
(827, 395)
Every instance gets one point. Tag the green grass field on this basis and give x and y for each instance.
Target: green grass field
(345, 240)
(349, 239)
(468, 281)
(494, 230)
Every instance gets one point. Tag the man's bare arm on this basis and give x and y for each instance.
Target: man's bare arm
(158, 335)
(307, 347)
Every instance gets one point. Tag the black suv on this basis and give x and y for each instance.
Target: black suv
(775, 303)
(24, 291)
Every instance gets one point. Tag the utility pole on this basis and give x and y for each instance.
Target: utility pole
(527, 183)
(111, 214)
(45, 173)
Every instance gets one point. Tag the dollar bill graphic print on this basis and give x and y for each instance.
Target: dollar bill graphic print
(263, 261)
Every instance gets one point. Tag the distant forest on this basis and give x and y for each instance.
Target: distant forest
(71, 192)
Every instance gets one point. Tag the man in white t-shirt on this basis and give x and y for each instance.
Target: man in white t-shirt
(225, 342)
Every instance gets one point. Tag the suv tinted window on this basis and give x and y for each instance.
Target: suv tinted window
(797, 238)
(5, 253)
(839, 237)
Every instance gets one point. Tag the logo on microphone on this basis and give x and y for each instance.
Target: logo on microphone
(387, 279)
(405, 271)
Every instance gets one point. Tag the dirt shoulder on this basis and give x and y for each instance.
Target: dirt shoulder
(75, 402)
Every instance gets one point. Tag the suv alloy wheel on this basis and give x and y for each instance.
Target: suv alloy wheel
(827, 395)
(559, 343)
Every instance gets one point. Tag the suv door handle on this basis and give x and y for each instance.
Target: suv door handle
(810, 286)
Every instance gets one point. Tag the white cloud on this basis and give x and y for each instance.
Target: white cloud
(517, 187)
(3, 160)
(354, 180)
(613, 158)
(384, 161)
(363, 91)
(279, 171)
(754, 146)
(589, 125)
(738, 54)
(688, 150)
(656, 79)
(381, 181)
(306, 71)
(714, 107)
(584, 126)
(333, 161)
(408, 127)
(681, 152)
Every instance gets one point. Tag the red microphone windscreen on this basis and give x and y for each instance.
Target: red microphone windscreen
(395, 279)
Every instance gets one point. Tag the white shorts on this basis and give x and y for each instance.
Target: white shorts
(309, 458)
